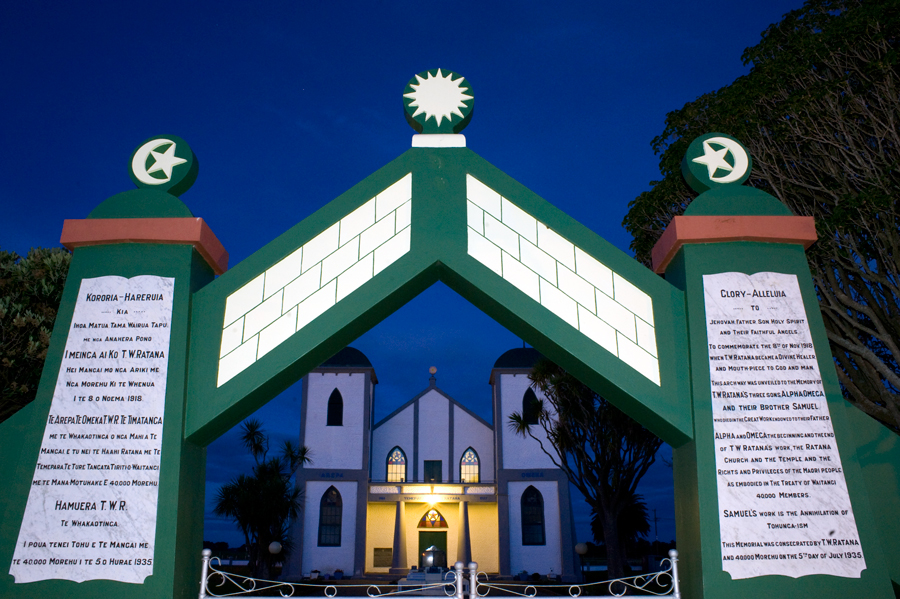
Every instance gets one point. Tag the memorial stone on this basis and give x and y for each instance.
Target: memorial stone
(91, 512)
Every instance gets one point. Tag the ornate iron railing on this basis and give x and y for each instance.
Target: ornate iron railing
(218, 583)
(662, 584)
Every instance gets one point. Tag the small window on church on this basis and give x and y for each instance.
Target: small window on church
(335, 409)
(434, 471)
(331, 510)
(531, 407)
(532, 517)
(468, 467)
(396, 466)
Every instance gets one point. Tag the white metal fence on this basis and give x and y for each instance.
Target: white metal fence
(460, 583)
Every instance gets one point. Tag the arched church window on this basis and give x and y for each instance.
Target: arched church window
(469, 467)
(432, 519)
(396, 466)
(532, 517)
(335, 409)
(531, 407)
(330, 515)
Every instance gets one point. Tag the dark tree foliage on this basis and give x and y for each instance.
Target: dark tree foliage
(820, 113)
(634, 522)
(30, 291)
(263, 502)
(603, 452)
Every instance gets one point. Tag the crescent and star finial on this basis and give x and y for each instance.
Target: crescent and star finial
(164, 162)
(713, 160)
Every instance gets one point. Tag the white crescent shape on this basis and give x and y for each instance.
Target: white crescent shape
(741, 160)
(139, 162)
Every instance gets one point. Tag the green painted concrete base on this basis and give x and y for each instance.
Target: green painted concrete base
(878, 452)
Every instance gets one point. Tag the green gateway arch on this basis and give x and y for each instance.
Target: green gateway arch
(438, 212)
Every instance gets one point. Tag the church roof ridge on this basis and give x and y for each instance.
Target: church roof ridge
(433, 387)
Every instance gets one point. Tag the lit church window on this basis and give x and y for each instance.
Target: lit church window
(330, 515)
(335, 409)
(468, 467)
(396, 466)
(532, 517)
(432, 519)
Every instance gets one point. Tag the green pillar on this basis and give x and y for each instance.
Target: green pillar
(735, 229)
(142, 232)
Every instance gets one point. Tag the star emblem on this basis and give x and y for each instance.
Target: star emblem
(714, 159)
(165, 161)
(438, 96)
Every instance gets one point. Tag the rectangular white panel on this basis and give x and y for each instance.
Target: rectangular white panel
(274, 334)
(538, 260)
(483, 196)
(302, 287)
(557, 246)
(502, 235)
(617, 315)
(283, 272)
(783, 502)
(357, 221)
(576, 288)
(316, 249)
(391, 198)
(520, 221)
(377, 234)
(601, 333)
(392, 250)
(484, 251)
(559, 303)
(355, 276)
(263, 315)
(340, 261)
(244, 299)
(633, 298)
(593, 272)
(638, 358)
(92, 507)
(523, 278)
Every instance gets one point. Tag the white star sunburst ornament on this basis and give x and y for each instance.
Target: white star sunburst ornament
(438, 101)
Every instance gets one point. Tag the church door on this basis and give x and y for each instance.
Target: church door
(427, 538)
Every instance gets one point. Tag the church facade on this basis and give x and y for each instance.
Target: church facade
(431, 473)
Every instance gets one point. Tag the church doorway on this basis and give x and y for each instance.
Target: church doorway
(427, 538)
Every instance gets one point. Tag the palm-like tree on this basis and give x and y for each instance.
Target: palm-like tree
(603, 452)
(263, 503)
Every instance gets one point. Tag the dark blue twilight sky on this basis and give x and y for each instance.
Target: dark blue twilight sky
(289, 104)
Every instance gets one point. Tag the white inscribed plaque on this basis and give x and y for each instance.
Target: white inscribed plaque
(91, 511)
(783, 501)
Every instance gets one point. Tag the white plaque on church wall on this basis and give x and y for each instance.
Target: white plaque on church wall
(783, 501)
(91, 511)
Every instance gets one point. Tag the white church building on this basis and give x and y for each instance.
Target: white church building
(377, 494)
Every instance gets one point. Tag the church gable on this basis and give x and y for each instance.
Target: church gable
(470, 431)
(397, 430)
(433, 427)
